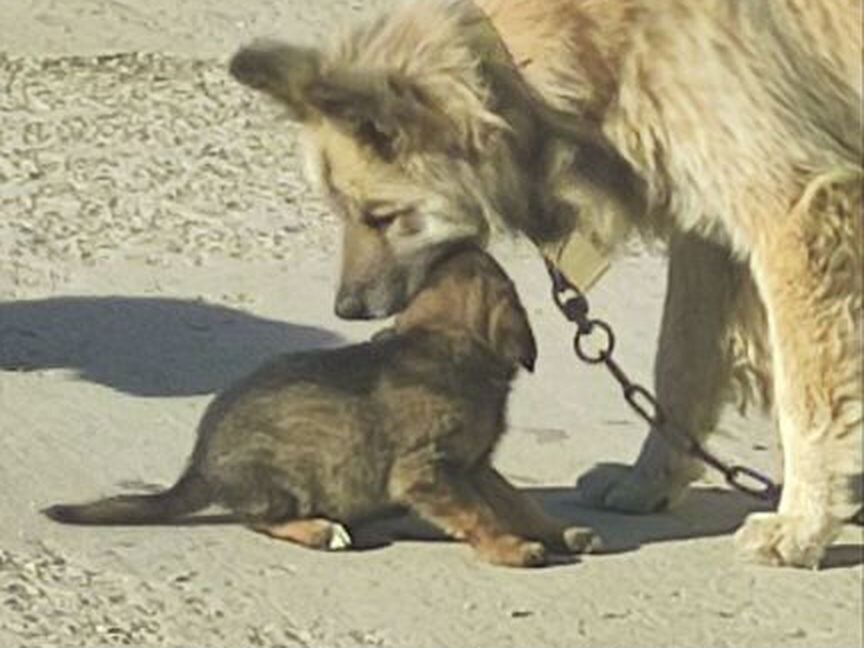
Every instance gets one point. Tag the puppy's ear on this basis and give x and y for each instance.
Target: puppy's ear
(283, 71)
(511, 334)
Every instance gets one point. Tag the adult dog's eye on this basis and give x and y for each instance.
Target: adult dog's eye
(382, 217)
(379, 221)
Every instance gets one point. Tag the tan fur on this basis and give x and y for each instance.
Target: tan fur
(731, 130)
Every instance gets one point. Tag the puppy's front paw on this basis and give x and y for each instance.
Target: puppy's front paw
(383, 334)
(782, 540)
(580, 540)
(511, 551)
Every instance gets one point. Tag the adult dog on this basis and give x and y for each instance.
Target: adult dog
(730, 129)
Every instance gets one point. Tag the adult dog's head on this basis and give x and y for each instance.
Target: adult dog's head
(423, 134)
(415, 136)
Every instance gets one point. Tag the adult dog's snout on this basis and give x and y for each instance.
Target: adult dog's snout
(350, 306)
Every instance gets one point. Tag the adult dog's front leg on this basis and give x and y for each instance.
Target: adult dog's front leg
(809, 269)
(692, 375)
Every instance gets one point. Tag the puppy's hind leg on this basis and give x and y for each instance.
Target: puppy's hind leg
(315, 533)
(445, 496)
(266, 499)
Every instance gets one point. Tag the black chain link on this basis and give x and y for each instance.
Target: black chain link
(573, 303)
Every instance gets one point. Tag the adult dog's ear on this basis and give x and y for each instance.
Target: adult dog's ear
(510, 332)
(384, 109)
(283, 71)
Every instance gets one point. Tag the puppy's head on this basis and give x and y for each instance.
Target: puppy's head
(468, 292)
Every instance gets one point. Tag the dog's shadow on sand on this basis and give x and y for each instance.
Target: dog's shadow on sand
(706, 512)
(146, 346)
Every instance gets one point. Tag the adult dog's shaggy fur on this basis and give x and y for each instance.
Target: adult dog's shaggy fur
(409, 419)
(730, 129)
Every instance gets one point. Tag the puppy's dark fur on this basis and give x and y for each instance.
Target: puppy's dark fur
(409, 419)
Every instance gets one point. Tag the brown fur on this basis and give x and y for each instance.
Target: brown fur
(731, 130)
(411, 419)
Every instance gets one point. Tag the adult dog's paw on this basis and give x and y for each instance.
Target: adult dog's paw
(782, 540)
(629, 489)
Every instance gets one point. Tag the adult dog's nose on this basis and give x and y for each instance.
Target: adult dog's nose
(350, 307)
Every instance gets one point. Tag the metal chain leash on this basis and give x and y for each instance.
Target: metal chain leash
(573, 304)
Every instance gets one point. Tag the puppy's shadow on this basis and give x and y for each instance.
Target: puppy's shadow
(146, 346)
(842, 556)
(706, 512)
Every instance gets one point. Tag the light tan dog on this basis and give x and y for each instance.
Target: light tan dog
(730, 129)
(312, 441)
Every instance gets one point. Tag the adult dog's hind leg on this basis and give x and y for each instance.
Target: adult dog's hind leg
(809, 269)
(692, 376)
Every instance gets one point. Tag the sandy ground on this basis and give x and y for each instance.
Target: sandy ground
(157, 242)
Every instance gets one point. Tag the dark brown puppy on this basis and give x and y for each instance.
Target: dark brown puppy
(410, 419)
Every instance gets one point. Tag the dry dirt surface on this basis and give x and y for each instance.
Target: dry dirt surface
(156, 242)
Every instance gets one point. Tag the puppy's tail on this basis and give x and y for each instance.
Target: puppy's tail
(190, 494)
